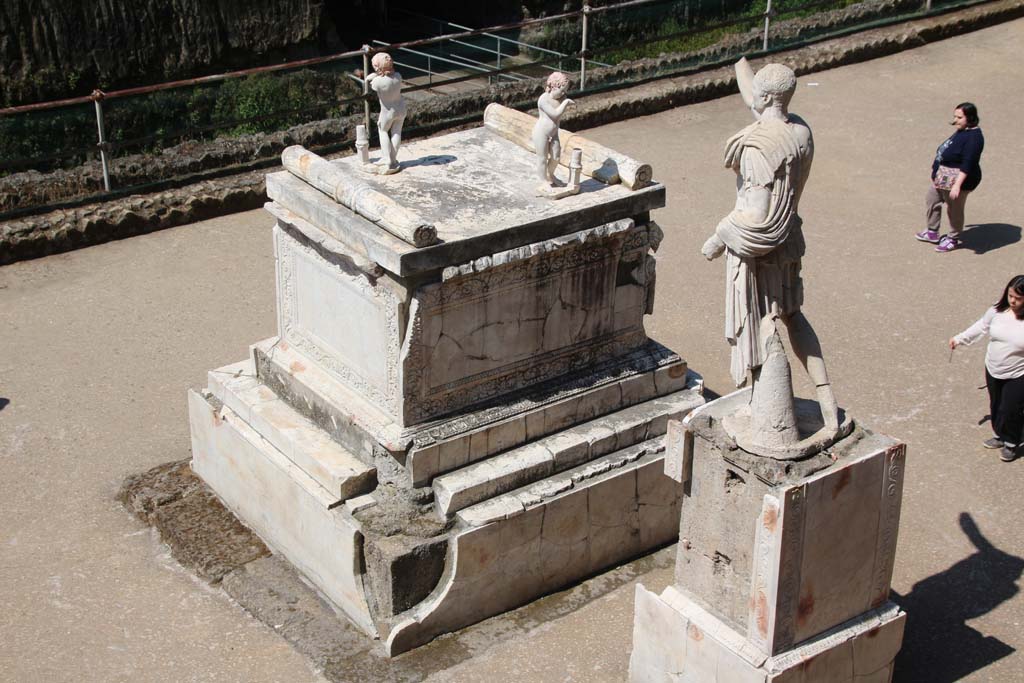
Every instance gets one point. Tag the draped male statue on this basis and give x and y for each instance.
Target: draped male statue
(763, 242)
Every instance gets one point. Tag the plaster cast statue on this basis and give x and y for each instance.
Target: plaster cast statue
(387, 83)
(550, 107)
(763, 243)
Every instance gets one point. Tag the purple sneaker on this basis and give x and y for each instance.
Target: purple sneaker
(927, 236)
(946, 244)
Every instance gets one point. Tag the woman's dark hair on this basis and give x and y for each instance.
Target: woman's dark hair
(970, 112)
(1017, 285)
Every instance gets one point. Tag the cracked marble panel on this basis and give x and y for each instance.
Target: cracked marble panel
(517, 318)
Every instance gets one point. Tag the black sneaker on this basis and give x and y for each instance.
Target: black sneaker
(994, 442)
(1008, 454)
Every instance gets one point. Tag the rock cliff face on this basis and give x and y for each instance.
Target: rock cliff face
(56, 48)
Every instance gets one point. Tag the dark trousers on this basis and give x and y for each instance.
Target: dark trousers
(1006, 406)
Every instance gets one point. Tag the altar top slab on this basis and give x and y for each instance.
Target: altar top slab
(477, 188)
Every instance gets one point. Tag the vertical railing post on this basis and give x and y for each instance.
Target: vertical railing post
(767, 20)
(583, 48)
(927, 5)
(430, 71)
(366, 87)
(97, 98)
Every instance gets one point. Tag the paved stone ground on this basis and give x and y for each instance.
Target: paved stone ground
(99, 346)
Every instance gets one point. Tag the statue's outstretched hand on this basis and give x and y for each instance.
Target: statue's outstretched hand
(713, 248)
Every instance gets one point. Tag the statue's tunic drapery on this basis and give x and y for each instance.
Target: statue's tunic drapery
(763, 260)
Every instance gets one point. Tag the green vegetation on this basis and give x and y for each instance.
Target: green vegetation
(261, 103)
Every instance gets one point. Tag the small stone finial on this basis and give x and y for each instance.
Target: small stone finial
(575, 168)
(362, 144)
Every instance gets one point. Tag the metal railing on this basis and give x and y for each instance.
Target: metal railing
(443, 60)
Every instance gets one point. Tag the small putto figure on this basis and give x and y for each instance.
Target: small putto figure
(551, 105)
(387, 83)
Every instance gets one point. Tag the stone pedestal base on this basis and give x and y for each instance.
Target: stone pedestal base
(784, 566)
(676, 640)
(555, 503)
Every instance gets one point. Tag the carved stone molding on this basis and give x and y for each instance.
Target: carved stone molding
(348, 365)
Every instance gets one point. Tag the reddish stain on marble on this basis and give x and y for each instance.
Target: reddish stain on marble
(771, 519)
(805, 607)
(296, 367)
(844, 481)
(694, 633)
(761, 613)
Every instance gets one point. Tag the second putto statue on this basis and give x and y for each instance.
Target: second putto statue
(763, 242)
(387, 83)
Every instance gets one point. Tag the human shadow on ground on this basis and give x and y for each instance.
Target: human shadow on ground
(938, 645)
(984, 237)
(4, 402)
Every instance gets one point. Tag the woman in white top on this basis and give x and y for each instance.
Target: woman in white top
(1004, 366)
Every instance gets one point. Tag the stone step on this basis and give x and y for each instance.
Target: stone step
(642, 455)
(302, 442)
(559, 452)
(471, 437)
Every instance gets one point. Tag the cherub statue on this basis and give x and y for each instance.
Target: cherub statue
(550, 107)
(387, 83)
(763, 242)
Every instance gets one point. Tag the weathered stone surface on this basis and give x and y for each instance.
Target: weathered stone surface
(487, 208)
(561, 451)
(143, 493)
(784, 566)
(309, 447)
(457, 377)
(290, 511)
(357, 424)
(491, 327)
(202, 534)
(781, 561)
(67, 229)
(539, 538)
(676, 639)
(402, 571)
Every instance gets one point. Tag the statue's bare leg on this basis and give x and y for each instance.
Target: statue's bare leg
(542, 168)
(396, 139)
(808, 349)
(387, 152)
(556, 153)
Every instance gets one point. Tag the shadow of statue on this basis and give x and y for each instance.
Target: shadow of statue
(430, 160)
(4, 402)
(983, 237)
(939, 645)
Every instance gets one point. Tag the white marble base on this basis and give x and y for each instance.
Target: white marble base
(675, 640)
(517, 547)
(293, 514)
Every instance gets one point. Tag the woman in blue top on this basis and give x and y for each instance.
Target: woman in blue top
(960, 157)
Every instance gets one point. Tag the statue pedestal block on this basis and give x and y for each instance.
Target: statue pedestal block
(776, 556)
(440, 433)
(675, 639)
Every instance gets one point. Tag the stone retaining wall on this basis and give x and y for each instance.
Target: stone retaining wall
(68, 229)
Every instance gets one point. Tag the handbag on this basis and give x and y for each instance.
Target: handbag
(945, 176)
